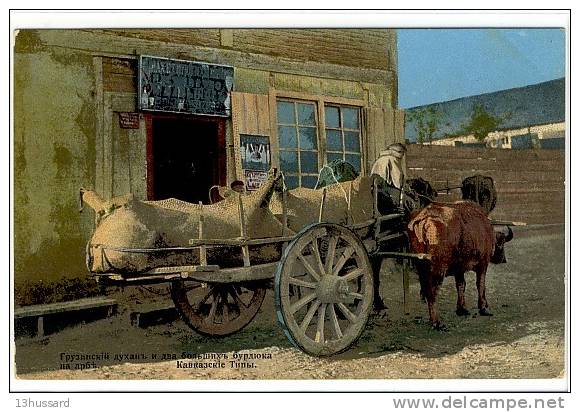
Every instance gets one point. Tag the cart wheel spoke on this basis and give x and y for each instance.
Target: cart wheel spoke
(346, 312)
(302, 283)
(315, 275)
(346, 254)
(302, 302)
(316, 253)
(353, 274)
(320, 324)
(355, 295)
(213, 309)
(329, 261)
(237, 299)
(309, 315)
(209, 293)
(226, 312)
(334, 322)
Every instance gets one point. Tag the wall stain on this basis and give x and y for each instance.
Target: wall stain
(63, 255)
(28, 41)
(63, 160)
(85, 121)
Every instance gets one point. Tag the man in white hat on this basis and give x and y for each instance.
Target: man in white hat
(391, 165)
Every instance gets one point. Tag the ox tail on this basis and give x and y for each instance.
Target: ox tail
(426, 236)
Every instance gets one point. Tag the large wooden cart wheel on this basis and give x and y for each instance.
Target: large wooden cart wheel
(324, 289)
(215, 309)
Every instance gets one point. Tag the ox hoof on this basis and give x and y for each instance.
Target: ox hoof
(440, 326)
(462, 312)
(485, 312)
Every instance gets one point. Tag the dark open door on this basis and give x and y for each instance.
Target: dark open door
(185, 157)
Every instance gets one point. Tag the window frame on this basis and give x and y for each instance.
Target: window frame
(319, 101)
(297, 125)
(342, 131)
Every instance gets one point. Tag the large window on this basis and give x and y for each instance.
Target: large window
(299, 134)
(298, 141)
(343, 135)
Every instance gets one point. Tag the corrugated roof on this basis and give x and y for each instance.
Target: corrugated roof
(541, 103)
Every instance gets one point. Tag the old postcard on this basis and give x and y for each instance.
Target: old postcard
(374, 203)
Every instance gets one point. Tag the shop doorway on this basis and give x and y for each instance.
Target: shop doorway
(186, 156)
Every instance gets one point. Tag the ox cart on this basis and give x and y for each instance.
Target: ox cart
(324, 282)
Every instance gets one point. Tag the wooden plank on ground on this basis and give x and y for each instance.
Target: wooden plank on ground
(75, 305)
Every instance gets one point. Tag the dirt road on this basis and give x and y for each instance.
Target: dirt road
(524, 338)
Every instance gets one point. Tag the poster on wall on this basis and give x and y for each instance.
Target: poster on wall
(255, 152)
(182, 86)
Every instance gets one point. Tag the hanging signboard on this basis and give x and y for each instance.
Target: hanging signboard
(170, 85)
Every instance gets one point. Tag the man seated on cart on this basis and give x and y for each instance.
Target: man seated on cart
(396, 194)
(392, 169)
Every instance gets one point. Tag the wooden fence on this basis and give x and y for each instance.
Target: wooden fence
(530, 183)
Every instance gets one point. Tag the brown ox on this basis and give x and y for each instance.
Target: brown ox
(458, 237)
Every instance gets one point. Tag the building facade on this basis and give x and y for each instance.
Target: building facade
(530, 117)
(171, 113)
(544, 136)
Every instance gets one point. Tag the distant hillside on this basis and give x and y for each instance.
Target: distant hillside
(540, 103)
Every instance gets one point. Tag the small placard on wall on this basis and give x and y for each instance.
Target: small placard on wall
(129, 120)
(255, 179)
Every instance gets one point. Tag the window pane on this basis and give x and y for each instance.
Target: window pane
(308, 138)
(309, 162)
(286, 113)
(350, 118)
(351, 142)
(291, 181)
(287, 137)
(331, 116)
(309, 181)
(353, 160)
(288, 161)
(333, 156)
(306, 114)
(333, 140)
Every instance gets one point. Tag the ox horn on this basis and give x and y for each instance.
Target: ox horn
(510, 234)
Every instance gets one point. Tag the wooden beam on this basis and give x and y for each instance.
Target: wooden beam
(322, 200)
(202, 248)
(50, 308)
(406, 303)
(243, 231)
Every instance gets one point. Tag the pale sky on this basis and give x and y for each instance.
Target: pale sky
(437, 65)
